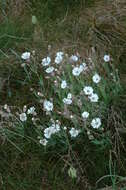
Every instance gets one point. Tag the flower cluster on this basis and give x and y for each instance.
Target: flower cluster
(79, 69)
(68, 99)
(30, 111)
(93, 97)
(54, 128)
(75, 94)
(59, 57)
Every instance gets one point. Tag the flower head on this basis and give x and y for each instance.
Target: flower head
(59, 57)
(74, 132)
(84, 65)
(65, 128)
(106, 58)
(96, 78)
(54, 128)
(76, 71)
(48, 106)
(63, 84)
(5, 106)
(48, 132)
(96, 123)
(69, 95)
(74, 58)
(93, 97)
(49, 70)
(46, 61)
(26, 55)
(43, 142)
(59, 53)
(31, 110)
(67, 101)
(88, 90)
(23, 117)
(85, 115)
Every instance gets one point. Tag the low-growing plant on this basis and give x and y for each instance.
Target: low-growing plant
(72, 89)
(72, 97)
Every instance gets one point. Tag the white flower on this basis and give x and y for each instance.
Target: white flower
(84, 65)
(96, 123)
(74, 58)
(96, 78)
(25, 55)
(88, 90)
(54, 128)
(23, 117)
(93, 97)
(74, 132)
(81, 68)
(24, 108)
(58, 59)
(48, 106)
(69, 95)
(46, 61)
(67, 101)
(85, 115)
(63, 84)
(43, 142)
(49, 70)
(59, 53)
(48, 132)
(65, 128)
(5, 106)
(106, 58)
(31, 110)
(76, 71)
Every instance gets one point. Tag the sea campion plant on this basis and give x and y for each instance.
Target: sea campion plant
(69, 105)
(72, 96)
